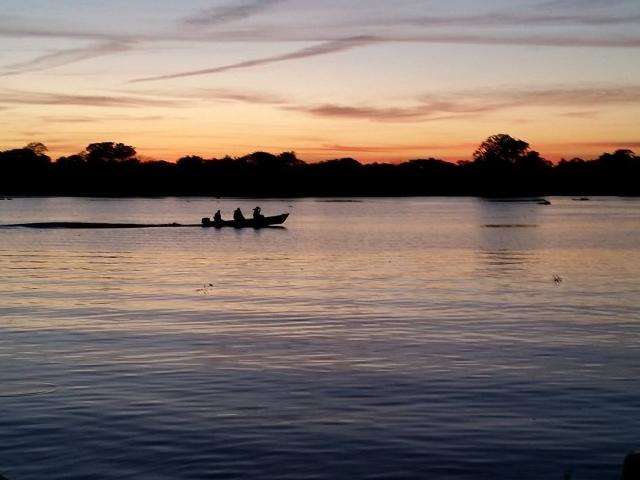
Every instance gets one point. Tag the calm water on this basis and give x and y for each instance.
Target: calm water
(391, 338)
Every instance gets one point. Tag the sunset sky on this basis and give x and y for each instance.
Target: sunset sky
(378, 80)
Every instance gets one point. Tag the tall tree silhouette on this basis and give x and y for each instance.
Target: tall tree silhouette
(507, 166)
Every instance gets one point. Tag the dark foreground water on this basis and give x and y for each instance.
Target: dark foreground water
(391, 338)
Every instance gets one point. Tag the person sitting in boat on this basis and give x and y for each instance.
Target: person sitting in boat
(238, 216)
(257, 213)
(217, 218)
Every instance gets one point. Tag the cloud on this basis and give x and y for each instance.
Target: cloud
(219, 94)
(472, 104)
(314, 51)
(517, 19)
(610, 41)
(25, 31)
(586, 114)
(395, 31)
(430, 107)
(607, 144)
(573, 96)
(389, 148)
(230, 13)
(65, 57)
(420, 112)
(240, 96)
(578, 3)
(20, 97)
(362, 112)
(335, 46)
(49, 119)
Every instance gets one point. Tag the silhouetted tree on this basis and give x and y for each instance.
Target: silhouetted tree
(109, 152)
(24, 169)
(502, 165)
(500, 150)
(507, 166)
(618, 172)
(38, 148)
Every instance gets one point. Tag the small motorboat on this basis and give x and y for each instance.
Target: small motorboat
(262, 222)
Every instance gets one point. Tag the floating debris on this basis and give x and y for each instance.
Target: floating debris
(515, 199)
(206, 288)
(510, 225)
(557, 279)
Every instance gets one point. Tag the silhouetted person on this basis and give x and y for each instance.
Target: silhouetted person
(217, 218)
(257, 213)
(238, 216)
(631, 467)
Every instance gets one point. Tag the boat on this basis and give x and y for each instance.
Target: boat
(262, 222)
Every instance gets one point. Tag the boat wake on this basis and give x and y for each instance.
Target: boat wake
(92, 225)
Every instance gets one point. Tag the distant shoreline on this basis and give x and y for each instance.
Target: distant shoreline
(321, 198)
(502, 166)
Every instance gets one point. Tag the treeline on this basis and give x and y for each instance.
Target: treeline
(501, 166)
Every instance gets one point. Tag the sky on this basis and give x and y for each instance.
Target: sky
(378, 80)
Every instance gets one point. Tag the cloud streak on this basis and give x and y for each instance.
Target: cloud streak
(432, 107)
(20, 97)
(340, 45)
(314, 51)
(66, 57)
(49, 119)
(395, 31)
(217, 94)
(517, 19)
(465, 104)
(389, 148)
(606, 144)
(231, 13)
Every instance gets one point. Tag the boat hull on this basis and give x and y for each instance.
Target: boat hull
(263, 222)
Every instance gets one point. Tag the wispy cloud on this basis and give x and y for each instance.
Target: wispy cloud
(314, 51)
(517, 19)
(456, 30)
(471, 104)
(572, 95)
(585, 114)
(607, 144)
(21, 97)
(215, 94)
(230, 13)
(362, 112)
(49, 119)
(432, 107)
(68, 56)
(335, 46)
(579, 3)
(610, 41)
(390, 148)
(16, 30)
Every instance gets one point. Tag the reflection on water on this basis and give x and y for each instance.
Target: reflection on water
(393, 338)
(509, 238)
(505, 262)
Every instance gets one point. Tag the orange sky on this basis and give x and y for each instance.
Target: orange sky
(371, 80)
